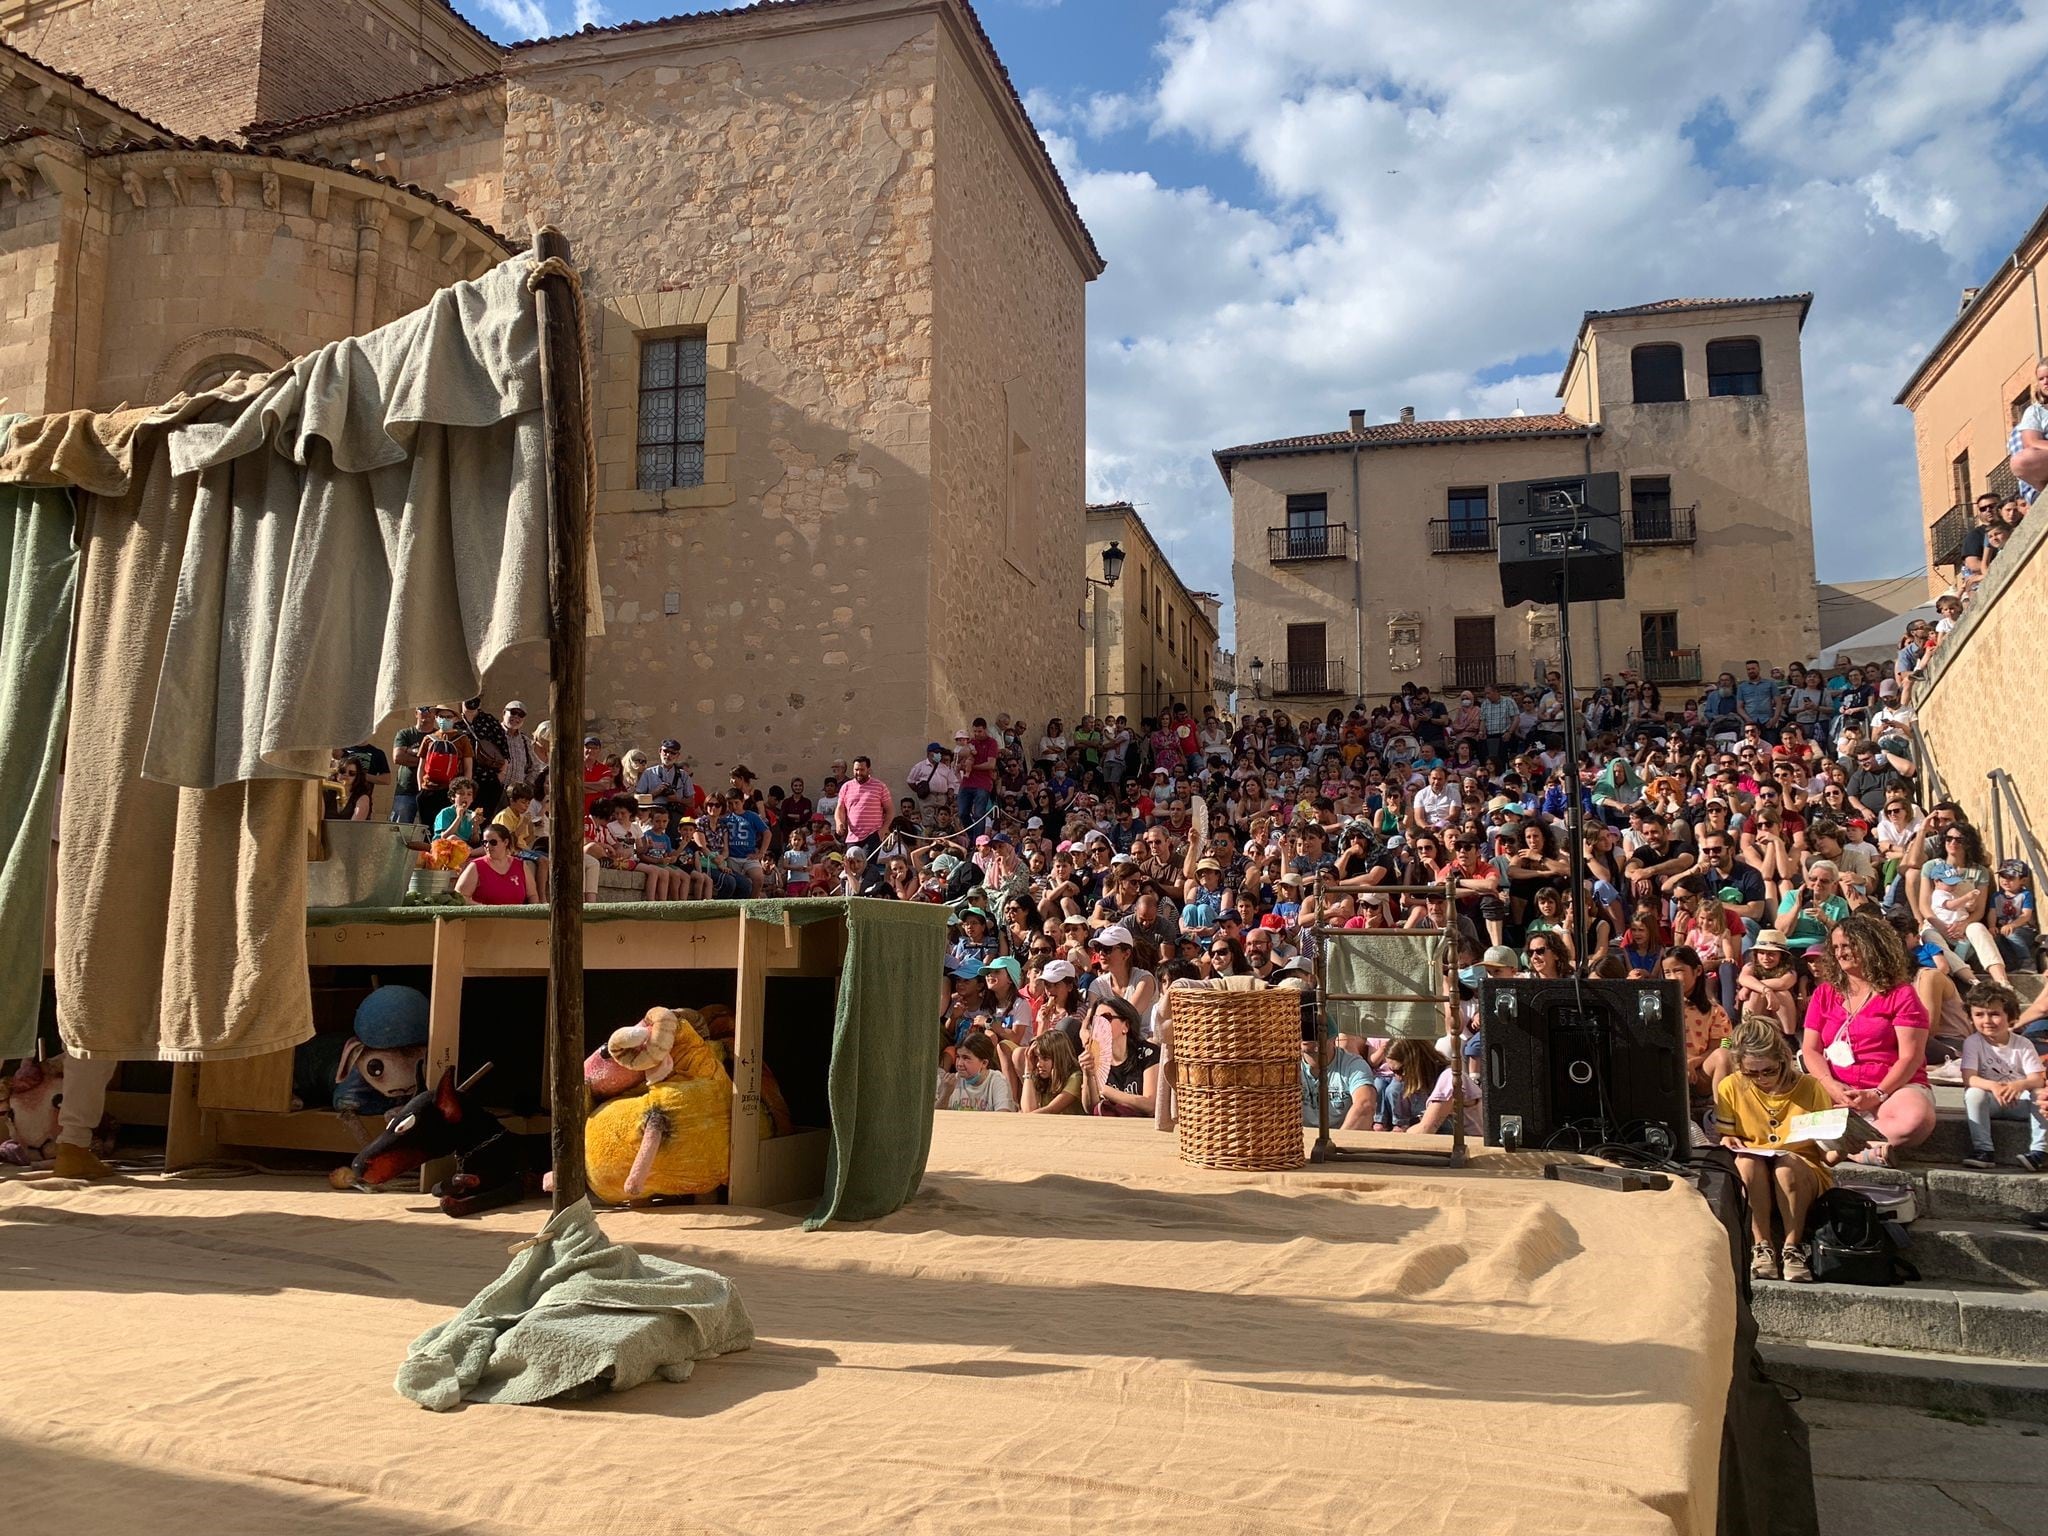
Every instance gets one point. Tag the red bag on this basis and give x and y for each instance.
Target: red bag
(440, 763)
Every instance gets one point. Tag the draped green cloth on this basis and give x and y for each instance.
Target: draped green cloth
(38, 582)
(1386, 963)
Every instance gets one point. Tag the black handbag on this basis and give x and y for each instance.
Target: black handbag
(1854, 1245)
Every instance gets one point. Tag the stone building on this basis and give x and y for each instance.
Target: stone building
(835, 286)
(1366, 558)
(1967, 395)
(1151, 641)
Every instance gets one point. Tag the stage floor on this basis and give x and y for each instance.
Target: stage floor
(1067, 1330)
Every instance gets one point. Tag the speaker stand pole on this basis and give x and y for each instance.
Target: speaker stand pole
(1575, 809)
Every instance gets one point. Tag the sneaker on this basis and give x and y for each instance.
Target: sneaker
(1763, 1262)
(1797, 1270)
(1949, 1072)
(1979, 1160)
(2033, 1162)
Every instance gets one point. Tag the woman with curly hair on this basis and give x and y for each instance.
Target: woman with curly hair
(1866, 1033)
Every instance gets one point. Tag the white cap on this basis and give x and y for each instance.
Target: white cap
(512, 704)
(1033, 824)
(1113, 935)
(1059, 970)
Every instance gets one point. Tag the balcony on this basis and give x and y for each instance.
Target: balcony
(1463, 536)
(1677, 666)
(1659, 525)
(1945, 538)
(1306, 679)
(1476, 671)
(1312, 541)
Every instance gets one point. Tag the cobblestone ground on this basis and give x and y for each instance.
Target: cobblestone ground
(1881, 1470)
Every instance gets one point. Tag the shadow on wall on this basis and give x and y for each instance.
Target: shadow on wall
(801, 630)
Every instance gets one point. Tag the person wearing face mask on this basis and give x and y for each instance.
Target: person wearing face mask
(444, 757)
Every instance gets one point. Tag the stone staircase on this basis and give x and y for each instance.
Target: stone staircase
(1971, 1335)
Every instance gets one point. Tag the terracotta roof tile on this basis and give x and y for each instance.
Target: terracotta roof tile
(1661, 306)
(767, 7)
(9, 50)
(1409, 434)
(287, 127)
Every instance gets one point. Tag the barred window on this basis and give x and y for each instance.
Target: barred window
(671, 443)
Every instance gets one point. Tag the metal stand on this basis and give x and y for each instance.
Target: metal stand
(1324, 938)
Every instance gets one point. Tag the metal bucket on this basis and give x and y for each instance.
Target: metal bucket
(368, 865)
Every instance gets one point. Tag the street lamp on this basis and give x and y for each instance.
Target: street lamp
(1258, 677)
(1112, 565)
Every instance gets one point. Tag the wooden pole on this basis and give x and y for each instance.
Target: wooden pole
(568, 488)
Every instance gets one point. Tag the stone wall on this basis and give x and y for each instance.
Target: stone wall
(1009, 375)
(210, 67)
(452, 146)
(37, 232)
(779, 618)
(257, 263)
(1980, 710)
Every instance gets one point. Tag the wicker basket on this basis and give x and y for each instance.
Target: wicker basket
(1237, 1089)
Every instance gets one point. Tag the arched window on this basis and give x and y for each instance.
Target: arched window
(214, 371)
(1735, 367)
(1659, 371)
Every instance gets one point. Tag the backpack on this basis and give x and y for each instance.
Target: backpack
(440, 763)
(1852, 1244)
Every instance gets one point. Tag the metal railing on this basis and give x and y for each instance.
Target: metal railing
(1314, 541)
(1476, 671)
(2007, 814)
(1297, 679)
(1945, 538)
(1661, 525)
(1463, 536)
(1681, 665)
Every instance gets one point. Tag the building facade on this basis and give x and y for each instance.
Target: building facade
(1368, 558)
(1151, 640)
(1966, 397)
(835, 287)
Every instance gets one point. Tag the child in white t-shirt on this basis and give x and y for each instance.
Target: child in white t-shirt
(796, 865)
(2002, 1074)
(976, 1083)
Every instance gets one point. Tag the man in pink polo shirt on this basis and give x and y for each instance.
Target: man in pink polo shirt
(864, 804)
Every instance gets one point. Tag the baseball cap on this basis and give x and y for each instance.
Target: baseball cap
(1006, 963)
(962, 736)
(593, 741)
(1122, 858)
(934, 746)
(966, 970)
(1059, 970)
(1113, 935)
(1501, 957)
(1034, 824)
(514, 706)
(671, 745)
(2013, 869)
(1272, 922)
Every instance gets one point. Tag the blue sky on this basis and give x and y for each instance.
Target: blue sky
(1412, 206)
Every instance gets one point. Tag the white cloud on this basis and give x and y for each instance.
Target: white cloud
(526, 18)
(589, 13)
(1444, 196)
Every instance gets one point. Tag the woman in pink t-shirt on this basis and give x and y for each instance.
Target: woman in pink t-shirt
(1866, 1033)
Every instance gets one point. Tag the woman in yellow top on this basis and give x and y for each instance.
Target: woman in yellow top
(1752, 1108)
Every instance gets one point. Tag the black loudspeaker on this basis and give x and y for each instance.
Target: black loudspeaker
(1546, 525)
(1572, 1065)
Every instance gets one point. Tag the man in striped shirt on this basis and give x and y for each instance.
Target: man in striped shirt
(1497, 719)
(864, 804)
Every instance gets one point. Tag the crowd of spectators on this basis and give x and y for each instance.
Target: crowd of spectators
(1764, 845)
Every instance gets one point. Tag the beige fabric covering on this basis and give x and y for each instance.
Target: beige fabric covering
(1065, 1331)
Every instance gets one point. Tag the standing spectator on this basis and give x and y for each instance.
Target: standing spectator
(862, 813)
(1759, 701)
(405, 752)
(444, 758)
(523, 761)
(600, 779)
(934, 782)
(978, 781)
(489, 755)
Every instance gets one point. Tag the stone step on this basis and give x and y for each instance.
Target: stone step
(1979, 1253)
(2003, 1325)
(1926, 1382)
(1959, 1194)
(1950, 1143)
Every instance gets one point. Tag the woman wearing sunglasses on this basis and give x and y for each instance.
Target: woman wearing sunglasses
(497, 879)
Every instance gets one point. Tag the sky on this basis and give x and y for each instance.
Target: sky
(1310, 206)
